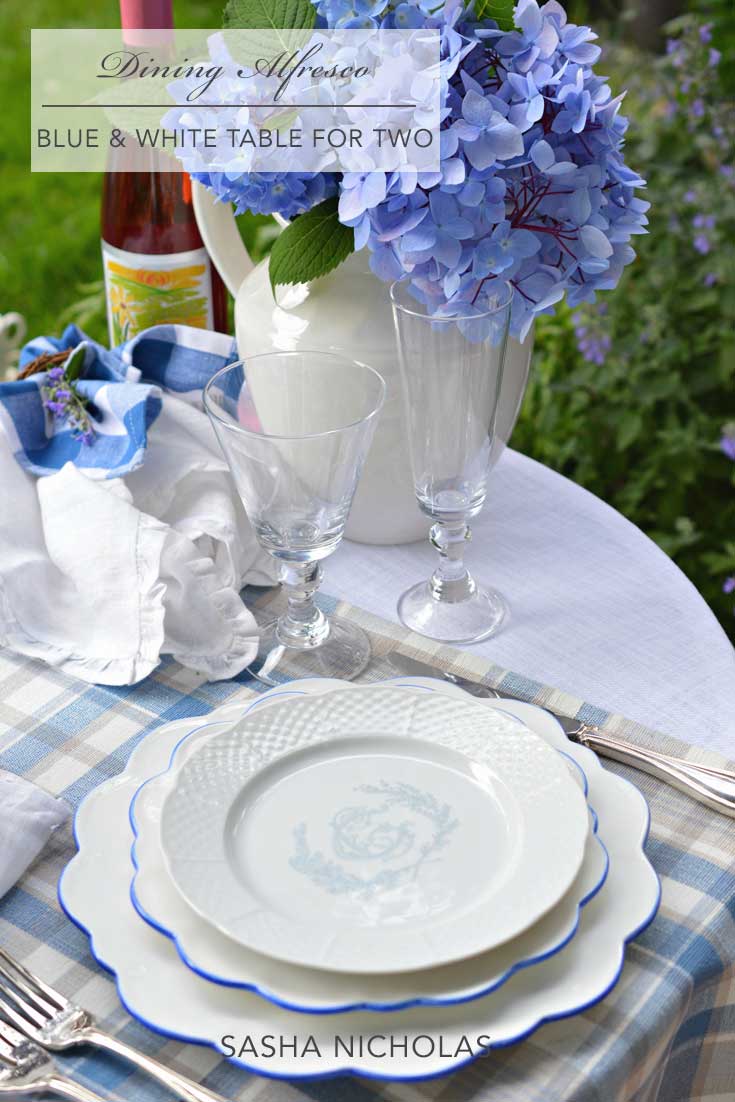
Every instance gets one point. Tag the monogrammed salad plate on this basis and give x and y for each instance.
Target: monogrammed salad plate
(381, 830)
(218, 958)
(419, 1042)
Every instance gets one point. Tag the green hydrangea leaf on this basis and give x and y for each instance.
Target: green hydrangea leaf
(499, 10)
(312, 245)
(271, 28)
(270, 14)
(280, 122)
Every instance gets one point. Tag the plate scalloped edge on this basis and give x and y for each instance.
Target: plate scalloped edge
(349, 1069)
(367, 1005)
(230, 884)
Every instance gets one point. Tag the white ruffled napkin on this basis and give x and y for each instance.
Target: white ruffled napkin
(101, 578)
(28, 818)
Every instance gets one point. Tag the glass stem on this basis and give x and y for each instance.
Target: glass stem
(302, 625)
(451, 581)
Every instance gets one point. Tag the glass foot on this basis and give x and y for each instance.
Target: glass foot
(344, 653)
(467, 621)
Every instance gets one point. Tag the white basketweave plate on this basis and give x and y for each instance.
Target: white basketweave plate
(309, 990)
(380, 830)
(268, 1040)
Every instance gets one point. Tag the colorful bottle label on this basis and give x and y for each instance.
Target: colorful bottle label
(145, 289)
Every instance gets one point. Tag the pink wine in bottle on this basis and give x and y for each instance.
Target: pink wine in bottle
(155, 264)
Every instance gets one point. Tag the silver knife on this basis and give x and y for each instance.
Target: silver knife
(713, 787)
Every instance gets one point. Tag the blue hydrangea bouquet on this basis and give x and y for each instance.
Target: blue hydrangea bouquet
(533, 187)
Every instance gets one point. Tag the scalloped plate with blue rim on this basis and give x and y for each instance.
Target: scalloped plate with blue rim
(384, 830)
(221, 960)
(162, 994)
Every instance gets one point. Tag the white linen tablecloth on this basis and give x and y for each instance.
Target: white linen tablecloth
(597, 609)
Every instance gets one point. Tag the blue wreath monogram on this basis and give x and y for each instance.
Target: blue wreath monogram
(369, 832)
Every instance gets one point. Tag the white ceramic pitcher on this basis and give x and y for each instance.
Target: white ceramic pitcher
(347, 311)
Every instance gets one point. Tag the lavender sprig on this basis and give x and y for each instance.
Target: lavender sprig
(61, 397)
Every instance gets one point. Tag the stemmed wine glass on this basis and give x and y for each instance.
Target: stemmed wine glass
(451, 371)
(296, 428)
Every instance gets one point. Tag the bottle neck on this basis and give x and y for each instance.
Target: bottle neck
(144, 15)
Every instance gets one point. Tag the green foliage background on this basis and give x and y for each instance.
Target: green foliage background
(642, 430)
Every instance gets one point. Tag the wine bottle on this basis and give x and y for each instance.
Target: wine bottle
(155, 265)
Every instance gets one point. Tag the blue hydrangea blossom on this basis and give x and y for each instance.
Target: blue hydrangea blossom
(533, 186)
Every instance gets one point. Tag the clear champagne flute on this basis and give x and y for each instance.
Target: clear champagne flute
(296, 428)
(451, 371)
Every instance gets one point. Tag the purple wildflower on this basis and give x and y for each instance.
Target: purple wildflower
(61, 398)
(705, 33)
(592, 342)
(727, 444)
(728, 586)
(701, 244)
(710, 279)
(714, 58)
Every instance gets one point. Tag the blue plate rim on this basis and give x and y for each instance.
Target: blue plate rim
(367, 1005)
(349, 1070)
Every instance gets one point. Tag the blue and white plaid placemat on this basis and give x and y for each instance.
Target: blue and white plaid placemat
(666, 1033)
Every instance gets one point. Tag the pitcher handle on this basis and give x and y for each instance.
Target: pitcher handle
(217, 225)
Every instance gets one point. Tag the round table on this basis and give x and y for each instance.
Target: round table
(597, 609)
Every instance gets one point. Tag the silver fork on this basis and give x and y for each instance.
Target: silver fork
(50, 1020)
(27, 1069)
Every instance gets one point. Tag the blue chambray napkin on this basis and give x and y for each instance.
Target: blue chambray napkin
(123, 388)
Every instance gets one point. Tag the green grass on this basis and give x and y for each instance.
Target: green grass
(49, 222)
